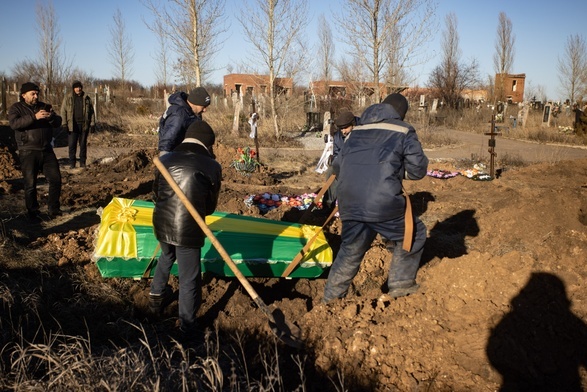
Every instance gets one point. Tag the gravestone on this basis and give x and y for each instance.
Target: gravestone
(422, 100)
(235, 121)
(546, 115)
(434, 106)
(500, 108)
(326, 126)
(523, 115)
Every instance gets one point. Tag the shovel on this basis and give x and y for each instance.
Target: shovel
(288, 333)
(294, 263)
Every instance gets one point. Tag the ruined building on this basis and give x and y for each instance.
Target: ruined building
(510, 87)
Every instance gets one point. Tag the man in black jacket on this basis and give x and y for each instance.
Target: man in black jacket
(198, 175)
(33, 122)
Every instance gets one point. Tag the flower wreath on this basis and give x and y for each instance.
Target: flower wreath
(443, 174)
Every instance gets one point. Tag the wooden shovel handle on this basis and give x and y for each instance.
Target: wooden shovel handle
(202, 223)
(306, 247)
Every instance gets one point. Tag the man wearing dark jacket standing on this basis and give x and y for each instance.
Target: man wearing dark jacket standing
(183, 110)
(381, 151)
(198, 175)
(33, 122)
(77, 112)
(344, 122)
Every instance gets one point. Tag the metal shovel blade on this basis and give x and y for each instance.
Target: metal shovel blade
(288, 333)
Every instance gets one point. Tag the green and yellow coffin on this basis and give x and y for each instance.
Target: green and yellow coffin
(259, 247)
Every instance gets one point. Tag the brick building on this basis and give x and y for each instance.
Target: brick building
(510, 87)
(337, 88)
(251, 84)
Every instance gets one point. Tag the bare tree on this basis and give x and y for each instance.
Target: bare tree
(161, 55)
(120, 48)
(410, 29)
(325, 48)
(273, 28)
(51, 60)
(503, 58)
(194, 29)
(452, 76)
(355, 74)
(384, 32)
(27, 70)
(572, 68)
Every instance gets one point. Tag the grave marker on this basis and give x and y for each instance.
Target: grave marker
(546, 115)
(492, 154)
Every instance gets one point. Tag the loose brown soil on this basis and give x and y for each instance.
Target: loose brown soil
(503, 298)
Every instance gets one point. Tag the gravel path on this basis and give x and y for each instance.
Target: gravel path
(472, 144)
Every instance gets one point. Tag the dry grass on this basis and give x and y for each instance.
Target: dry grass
(143, 119)
(62, 330)
(59, 362)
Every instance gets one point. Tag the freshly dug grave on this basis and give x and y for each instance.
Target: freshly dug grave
(503, 300)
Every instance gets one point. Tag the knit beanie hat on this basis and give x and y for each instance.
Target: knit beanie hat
(202, 131)
(199, 96)
(77, 83)
(399, 103)
(28, 86)
(345, 119)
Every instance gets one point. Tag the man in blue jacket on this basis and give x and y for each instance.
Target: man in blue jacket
(183, 110)
(381, 151)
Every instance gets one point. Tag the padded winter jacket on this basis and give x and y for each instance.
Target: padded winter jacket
(199, 176)
(175, 121)
(30, 133)
(377, 155)
(67, 112)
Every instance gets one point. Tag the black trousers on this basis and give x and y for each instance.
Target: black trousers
(78, 136)
(32, 163)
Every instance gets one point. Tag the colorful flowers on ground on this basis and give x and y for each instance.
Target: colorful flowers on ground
(439, 173)
(269, 201)
(477, 173)
(246, 163)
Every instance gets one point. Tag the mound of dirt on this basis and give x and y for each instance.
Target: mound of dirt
(502, 303)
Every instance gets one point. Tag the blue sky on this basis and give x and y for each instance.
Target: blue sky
(541, 29)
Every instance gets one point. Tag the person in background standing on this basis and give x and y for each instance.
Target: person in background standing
(345, 122)
(183, 110)
(77, 112)
(33, 122)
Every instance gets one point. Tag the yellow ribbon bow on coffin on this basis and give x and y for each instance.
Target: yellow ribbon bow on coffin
(117, 235)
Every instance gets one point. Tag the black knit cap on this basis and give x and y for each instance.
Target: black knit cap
(28, 86)
(345, 119)
(399, 103)
(202, 131)
(77, 83)
(199, 96)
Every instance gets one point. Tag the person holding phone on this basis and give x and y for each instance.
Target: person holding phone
(33, 122)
